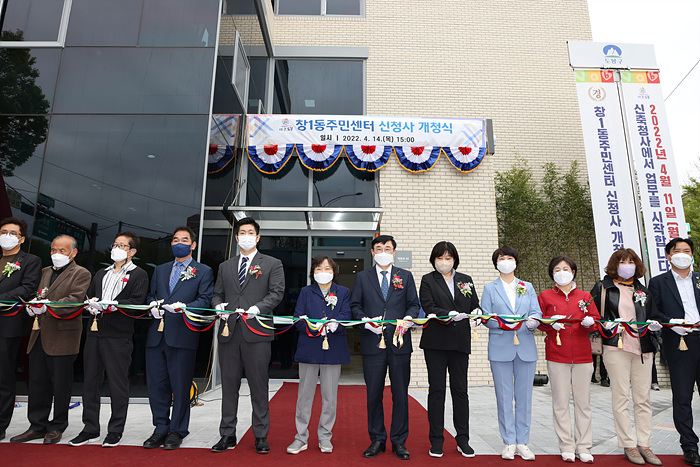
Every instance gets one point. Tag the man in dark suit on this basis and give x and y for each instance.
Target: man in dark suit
(251, 283)
(171, 347)
(109, 344)
(19, 278)
(676, 294)
(385, 292)
(54, 342)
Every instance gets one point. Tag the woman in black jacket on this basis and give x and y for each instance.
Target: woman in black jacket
(628, 358)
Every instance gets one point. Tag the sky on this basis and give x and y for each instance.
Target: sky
(673, 28)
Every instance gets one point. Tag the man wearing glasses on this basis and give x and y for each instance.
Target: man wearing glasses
(385, 292)
(109, 343)
(19, 278)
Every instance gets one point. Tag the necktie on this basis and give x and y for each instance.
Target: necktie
(242, 270)
(175, 276)
(385, 285)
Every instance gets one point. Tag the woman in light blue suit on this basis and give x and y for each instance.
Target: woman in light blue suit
(512, 353)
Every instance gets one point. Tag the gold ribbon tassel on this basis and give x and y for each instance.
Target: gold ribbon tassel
(160, 326)
(619, 341)
(224, 333)
(382, 344)
(558, 339)
(94, 325)
(35, 326)
(515, 338)
(682, 346)
(325, 346)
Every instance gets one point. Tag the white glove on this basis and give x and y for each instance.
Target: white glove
(377, 330)
(587, 322)
(108, 305)
(252, 311)
(305, 317)
(92, 310)
(620, 329)
(93, 303)
(176, 307)
(532, 323)
(680, 330)
(332, 326)
(156, 312)
(221, 306)
(558, 326)
(610, 324)
(408, 323)
(456, 317)
(431, 315)
(654, 325)
(37, 310)
(29, 311)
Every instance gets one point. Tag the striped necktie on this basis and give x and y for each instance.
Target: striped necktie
(385, 284)
(242, 270)
(175, 276)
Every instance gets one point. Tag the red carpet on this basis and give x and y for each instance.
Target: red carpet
(350, 439)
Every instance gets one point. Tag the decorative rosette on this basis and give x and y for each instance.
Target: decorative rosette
(417, 159)
(319, 156)
(222, 134)
(370, 158)
(270, 159)
(465, 158)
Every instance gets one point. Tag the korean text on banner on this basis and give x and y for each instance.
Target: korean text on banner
(608, 170)
(659, 188)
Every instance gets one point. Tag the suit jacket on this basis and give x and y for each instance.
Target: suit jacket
(116, 324)
(367, 301)
(313, 304)
(436, 298)
(265, 291)
(195, 292)
(494, 301)
(19, 286)
(62, 336)
(669, 305)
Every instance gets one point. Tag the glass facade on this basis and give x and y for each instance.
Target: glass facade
(109, 132)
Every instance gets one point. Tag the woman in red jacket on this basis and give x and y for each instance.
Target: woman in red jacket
(569, 360)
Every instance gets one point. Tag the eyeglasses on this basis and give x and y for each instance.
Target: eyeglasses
(121, 246)
(14, 234)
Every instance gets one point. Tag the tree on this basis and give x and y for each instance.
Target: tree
(691, 208)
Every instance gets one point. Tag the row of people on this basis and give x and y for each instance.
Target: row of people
(253, 283)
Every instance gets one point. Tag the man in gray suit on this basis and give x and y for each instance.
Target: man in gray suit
(252, 284)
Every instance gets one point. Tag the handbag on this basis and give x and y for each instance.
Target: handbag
(595, 337)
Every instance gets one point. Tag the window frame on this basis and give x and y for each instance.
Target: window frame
(62, 30)
(240, 53)
(322, 12)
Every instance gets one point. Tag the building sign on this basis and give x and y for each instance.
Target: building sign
(650, 140)
(403, 259)
(608, 170)
(611, 55)
(368, 142)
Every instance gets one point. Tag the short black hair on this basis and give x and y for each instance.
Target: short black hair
(505, 250)
(246, 221)
(672, 244)
(558, 259)
(184, 228)
(383, 239)
(440, 249)
(134, 240)
(14, 220)
(317, 260)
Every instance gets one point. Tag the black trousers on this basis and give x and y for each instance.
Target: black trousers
(684, 372)
(374, 368)
(9, 346)
(110, 356)
(438, 363)
(50, 380)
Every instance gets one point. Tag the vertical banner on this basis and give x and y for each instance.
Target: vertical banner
(650, 141)
(608, 170)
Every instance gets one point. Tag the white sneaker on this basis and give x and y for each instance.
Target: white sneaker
(325, 446)
(585, 458)
(524, 452)
(296, 447)
(568, 457)
(508, 452)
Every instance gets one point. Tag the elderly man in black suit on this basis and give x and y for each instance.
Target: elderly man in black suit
(19, 278)
(385, 292)
(676, 294)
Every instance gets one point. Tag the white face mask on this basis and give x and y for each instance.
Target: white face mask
(323, 277)
(247, 242)
(563, 277)
(679, 260)
(383, 259)
(444, 266)
(506, 266)
(8, 241)
(118, 254)
(59, 260)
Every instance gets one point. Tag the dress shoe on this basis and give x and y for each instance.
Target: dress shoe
(691, 458)
(2, 435)
(605, 382)
(156, 440)
(375, 448)
(28, 436)
(262, 446)
(83, 438)
(632, 455)
(53, 437)
(224, 443)
(465, 450)
(648, 456)
(400, 451)
(172, 441)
